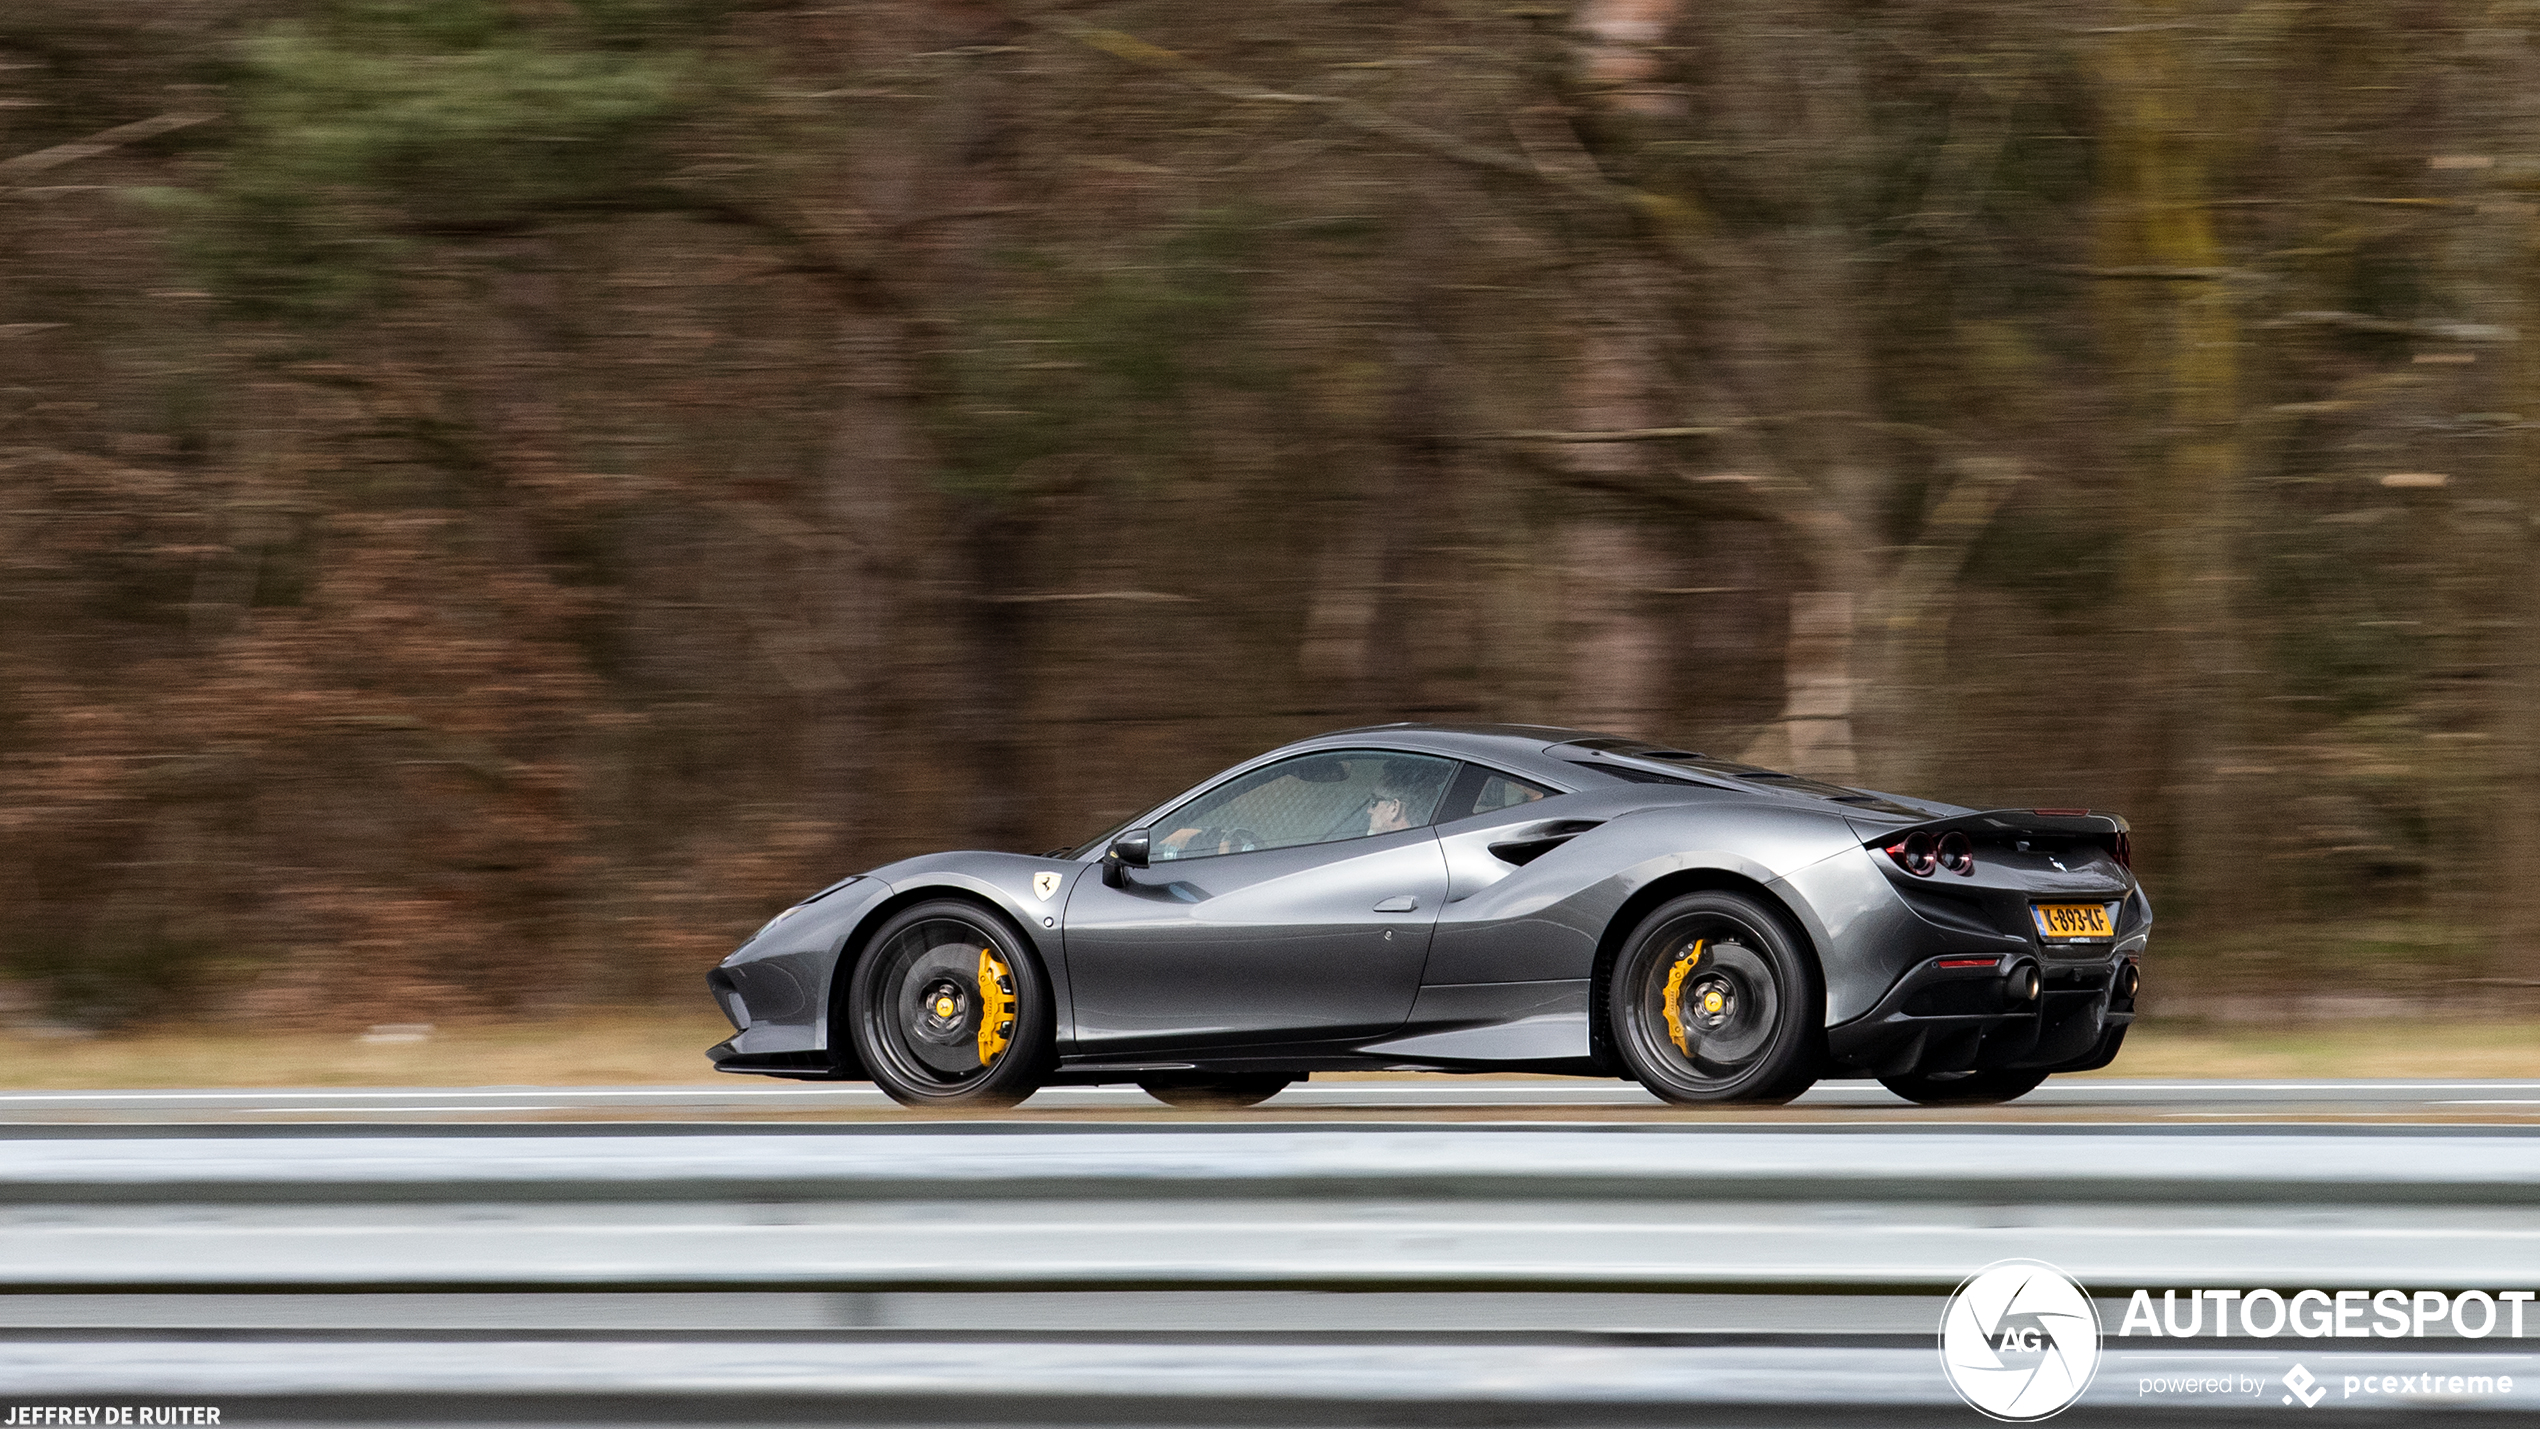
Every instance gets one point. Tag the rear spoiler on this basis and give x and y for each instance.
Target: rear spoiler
(2003, 825)
(2012, 823)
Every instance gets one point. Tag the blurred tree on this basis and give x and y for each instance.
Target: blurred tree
(372, 125)
(562, 475)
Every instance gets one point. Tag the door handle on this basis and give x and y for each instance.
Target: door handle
(1403, 904)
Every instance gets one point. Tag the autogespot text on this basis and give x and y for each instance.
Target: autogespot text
(2327, 1314)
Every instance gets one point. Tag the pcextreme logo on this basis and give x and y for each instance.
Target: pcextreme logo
(2305, 1386)
(2019, 1340)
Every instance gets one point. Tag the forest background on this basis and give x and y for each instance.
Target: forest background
(501, 495)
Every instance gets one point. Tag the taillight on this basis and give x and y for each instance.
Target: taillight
(1922, 855)
(2124, 852)
(1917, 854)
(1958, 854)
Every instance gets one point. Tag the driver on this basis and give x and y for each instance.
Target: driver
(1388, 809)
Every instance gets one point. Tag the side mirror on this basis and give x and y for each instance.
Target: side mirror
(1127, 851)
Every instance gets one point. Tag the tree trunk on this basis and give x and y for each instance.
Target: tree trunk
(2184, 365)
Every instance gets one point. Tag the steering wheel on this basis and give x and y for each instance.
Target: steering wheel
(1352, 824)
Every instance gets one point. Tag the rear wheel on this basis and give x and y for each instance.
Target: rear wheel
(1712, 1000)
(1964, 1088)
(1216, 1093)
(949, 1009)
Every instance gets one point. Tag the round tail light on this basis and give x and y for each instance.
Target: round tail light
(1958, 854)
(1917, 854)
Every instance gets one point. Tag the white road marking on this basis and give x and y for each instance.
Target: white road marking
(332, 1110)
(1512, 1101)
(1321, 1091)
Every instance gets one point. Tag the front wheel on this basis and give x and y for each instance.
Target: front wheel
(1713, 1000)
(1964, 1088)
(1215, 1093)
(949, 1009)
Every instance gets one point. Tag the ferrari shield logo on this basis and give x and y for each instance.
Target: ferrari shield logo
(1045, 884)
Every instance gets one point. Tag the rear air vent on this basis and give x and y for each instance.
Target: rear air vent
(1539, 839)
(1631, 775)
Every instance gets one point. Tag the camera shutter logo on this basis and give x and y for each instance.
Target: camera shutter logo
(2019, 1340)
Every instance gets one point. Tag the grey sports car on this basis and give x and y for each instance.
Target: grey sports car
(1470, 899)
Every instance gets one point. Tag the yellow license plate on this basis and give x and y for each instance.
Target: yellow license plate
(2073, 920)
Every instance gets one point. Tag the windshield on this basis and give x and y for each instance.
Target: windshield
(1308, 798)
(1097, 844)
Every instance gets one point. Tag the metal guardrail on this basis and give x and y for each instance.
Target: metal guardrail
(1013, 1385)
(1042, 1211)
(722, 1380)
(2375, 1164)
(1630, 1208)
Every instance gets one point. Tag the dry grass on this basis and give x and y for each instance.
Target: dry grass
(664, 1049)
(2414, 1047)
(616, 1050)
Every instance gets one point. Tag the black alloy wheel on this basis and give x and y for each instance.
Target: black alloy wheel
(1713, 1000)
(1963, 1088)
(949, 1009)
(1216, 1093)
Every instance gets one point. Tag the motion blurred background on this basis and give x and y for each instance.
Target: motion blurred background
(500, 495)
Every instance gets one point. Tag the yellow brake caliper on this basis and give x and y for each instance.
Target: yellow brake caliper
(1675, 985)
(996, 1006)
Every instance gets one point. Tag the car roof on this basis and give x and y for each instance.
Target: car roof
(1557, 755)
(1522, 748)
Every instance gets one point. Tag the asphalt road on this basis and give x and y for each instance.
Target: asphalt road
(2095, 1100)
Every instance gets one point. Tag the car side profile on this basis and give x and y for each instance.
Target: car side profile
(1470, 899)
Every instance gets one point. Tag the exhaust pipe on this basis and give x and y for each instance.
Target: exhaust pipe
(2021, 984)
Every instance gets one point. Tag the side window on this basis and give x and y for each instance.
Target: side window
(1311, 799)
(1500, 791)
(1487, 791)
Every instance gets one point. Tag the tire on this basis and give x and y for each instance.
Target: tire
(1748, 1005)
(924, 1002)
(1964, 1088)
(1217, 1093)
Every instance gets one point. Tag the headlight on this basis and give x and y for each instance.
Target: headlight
(797, 908)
